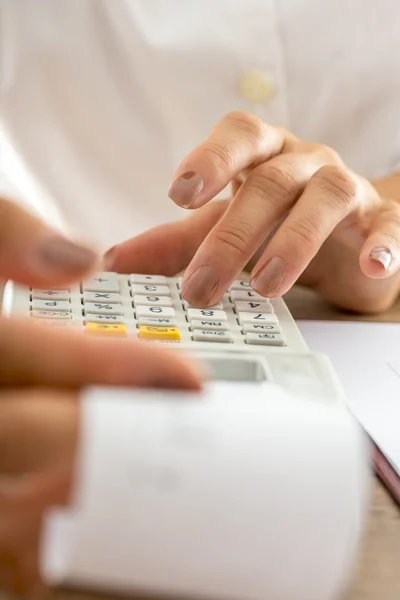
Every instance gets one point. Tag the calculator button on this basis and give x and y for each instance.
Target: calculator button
(92, 318)
(148, 279)
(50, 294)
(154, 311)
(68, 324)
(248, 295)
(240, 285)
(207, 314)
(102, 282)
(157, 321)
(207, 335)
(152, 301)
(257, 307)
(249, 317)
(218, 306)
(145, 290)
(261, 328)
(62, 305)
(106, 297)
(102, 308)
(148, 332)
(210, 325)
(265, 339)
(51, 314)
(107, 329)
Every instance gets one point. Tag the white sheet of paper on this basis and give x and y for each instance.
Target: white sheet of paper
(366, 357)
(220, 496)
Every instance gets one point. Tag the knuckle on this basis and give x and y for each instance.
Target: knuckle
(235, 235)
(222, 156)
(246, 122)
(340, 186)
(307, 233)
(274, 179)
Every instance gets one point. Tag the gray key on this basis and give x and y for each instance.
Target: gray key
(249, 317)
(254, 307)
(210, 325)
(107, 297)
(207, 314)
(92, 318)
(148, 279)
(102, 308)
(50, 314)
(265, 339)
(158, 321)
(154, 311)
(247, 295)
(50, 294)
(101, 282)
(261, 328)
(152, 300)
(218, 306)
(206, 335)
(149, 288)
(240, 285)
(58, 305)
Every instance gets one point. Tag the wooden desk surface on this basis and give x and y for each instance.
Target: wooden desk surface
(377, 576)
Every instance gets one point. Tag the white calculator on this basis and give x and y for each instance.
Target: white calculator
(245, 337)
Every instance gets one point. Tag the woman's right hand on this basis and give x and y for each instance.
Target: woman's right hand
(41, 373)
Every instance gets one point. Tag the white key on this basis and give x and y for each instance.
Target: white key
(218, 306)
(249, 317)
(50, 314)
(152, 301)
(265, 339)
(248, 295)
(158, 321)
(102, 308)
(107, 297)
(63, 305)
(154, 311)
(207, 335)
(207, 314)
(257, 307)
(92, 318)
(240, 285)
(101, 282)
(70, 323)
(148, 279)
(145, 290)
(50, 294)
(210, 325)
(261, 328)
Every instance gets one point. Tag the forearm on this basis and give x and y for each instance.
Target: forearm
(389, 187)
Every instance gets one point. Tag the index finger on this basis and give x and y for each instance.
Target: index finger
(238, 141)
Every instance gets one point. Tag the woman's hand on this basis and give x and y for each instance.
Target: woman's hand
(297, 214)
(41, 372)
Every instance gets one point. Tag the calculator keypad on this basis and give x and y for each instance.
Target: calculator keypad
(151, 308)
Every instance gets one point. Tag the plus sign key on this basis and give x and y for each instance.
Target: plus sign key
(101, 282)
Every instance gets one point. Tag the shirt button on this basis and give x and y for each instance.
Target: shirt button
(256, 86)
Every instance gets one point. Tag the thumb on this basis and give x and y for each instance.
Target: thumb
(33, 253)
(166, 249)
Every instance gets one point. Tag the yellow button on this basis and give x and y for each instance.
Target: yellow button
(147, 332)
(256, 86)
(112, 330)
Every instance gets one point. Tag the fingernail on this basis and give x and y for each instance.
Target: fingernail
(58, 252)
(199, 288)
(270, 277)
(382, 255)
(186, 188)
(109, 259)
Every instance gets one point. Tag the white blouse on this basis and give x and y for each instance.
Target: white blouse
(101, 99)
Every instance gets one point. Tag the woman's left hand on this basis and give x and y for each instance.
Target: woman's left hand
(297, 213)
